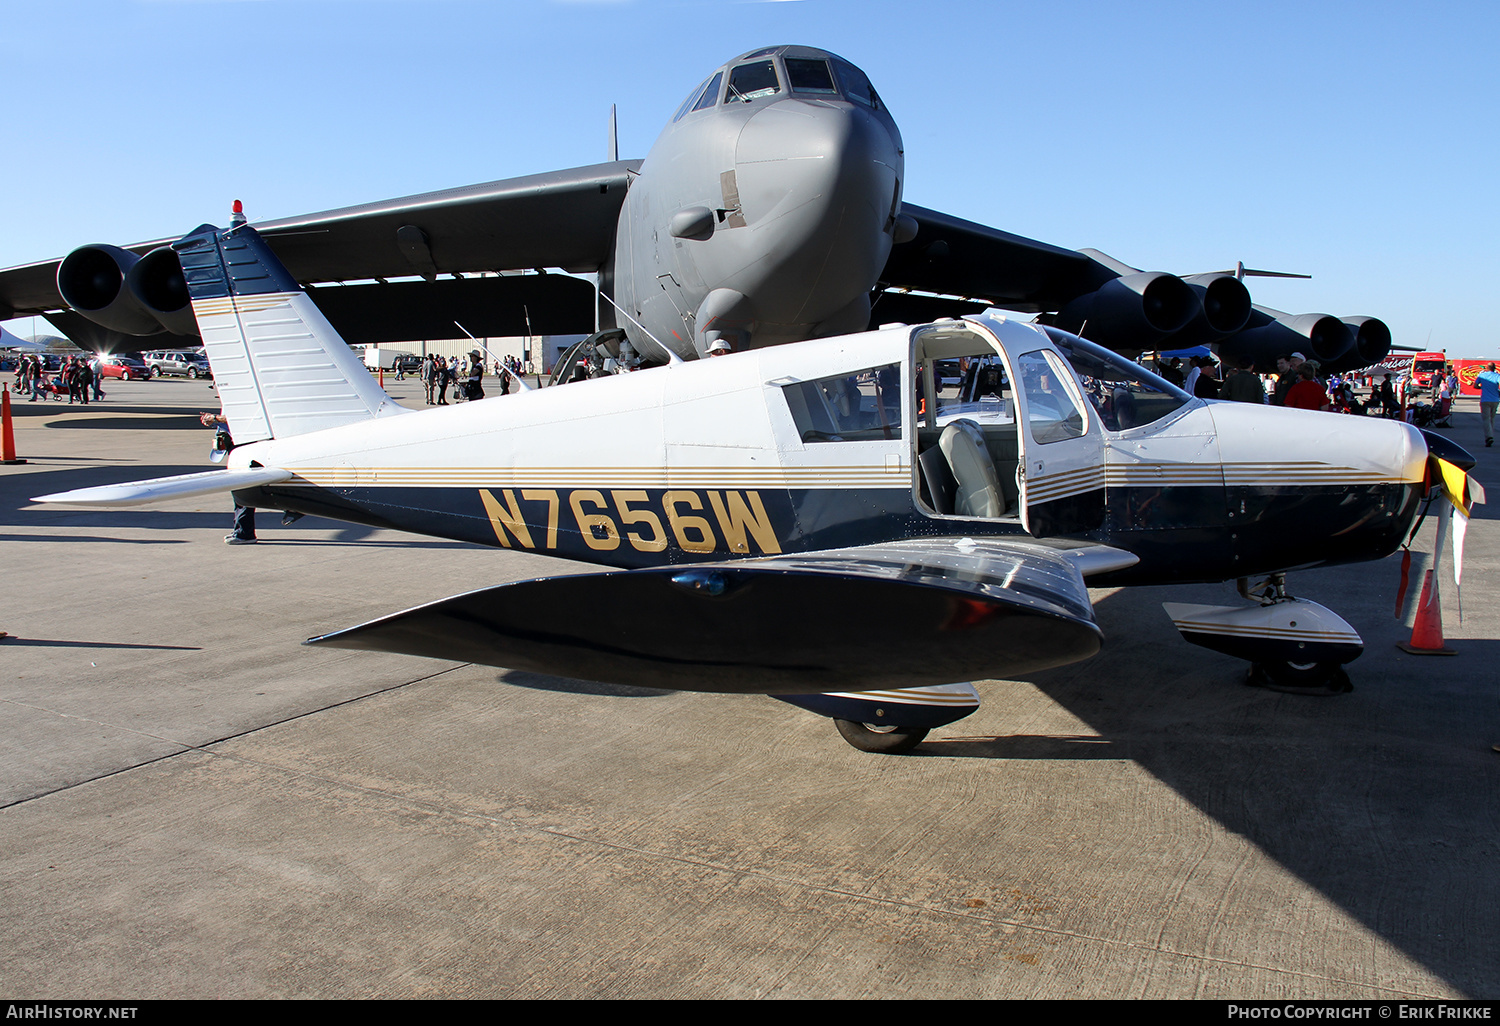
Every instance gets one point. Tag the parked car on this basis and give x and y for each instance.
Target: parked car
(409, 362)
(125, 367)
(175, 363)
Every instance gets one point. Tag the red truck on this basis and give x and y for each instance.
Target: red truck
(1425, 365)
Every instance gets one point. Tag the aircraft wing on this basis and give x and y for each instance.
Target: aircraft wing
(892, 615)
(563, 219)
(960, 258)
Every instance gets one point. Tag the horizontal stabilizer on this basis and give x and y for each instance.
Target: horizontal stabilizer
(158, 489)
(900, 615)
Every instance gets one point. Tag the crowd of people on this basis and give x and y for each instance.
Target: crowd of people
(465, 375)
(78, 378)
(1297, 383)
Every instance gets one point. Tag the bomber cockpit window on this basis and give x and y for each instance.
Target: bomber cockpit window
(752, 81)
(697, 91)
(1126, 394)
(710, 94)
(856, 86)
(858, 406)
(806, 75)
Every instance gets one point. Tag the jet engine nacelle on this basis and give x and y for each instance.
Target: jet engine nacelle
(1224, 308)
(1372, 342)
(1319, 337)
(1132, 312)
(157, 284)
(91, 280)
(123, 292)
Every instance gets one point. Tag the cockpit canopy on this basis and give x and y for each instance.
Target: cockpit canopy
(778, 70)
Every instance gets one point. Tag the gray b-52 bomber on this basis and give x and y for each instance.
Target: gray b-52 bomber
(769, 210)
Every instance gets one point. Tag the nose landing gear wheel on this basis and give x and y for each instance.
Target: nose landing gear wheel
(887, 740)
(1300, 678)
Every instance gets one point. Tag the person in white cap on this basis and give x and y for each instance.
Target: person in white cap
(720, 348)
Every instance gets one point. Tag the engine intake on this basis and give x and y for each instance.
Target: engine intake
(1225, 308)
(1372, 341)
(1131, 312)
(1318, 337)
(91, 280)
(157, 285)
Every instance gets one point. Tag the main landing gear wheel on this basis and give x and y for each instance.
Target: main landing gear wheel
(1300, 678)
(870, 737)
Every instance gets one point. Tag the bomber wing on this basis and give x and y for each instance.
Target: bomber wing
(560, 219)
(892, 615)
(961, 258)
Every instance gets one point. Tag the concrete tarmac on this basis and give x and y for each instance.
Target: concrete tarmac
(194, 805)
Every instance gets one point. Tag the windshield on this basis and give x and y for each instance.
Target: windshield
(752, 81)
(806, 75)
(856, 86)
(1126, 394)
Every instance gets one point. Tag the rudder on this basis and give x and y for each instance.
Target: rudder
(280, 366)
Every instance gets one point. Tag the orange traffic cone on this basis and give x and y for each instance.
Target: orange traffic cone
(7, 432)
(1427, 629)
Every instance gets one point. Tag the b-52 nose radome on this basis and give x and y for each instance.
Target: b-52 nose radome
(775, 195)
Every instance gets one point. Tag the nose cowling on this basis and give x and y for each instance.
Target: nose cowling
(1306, 488)
(819, 184)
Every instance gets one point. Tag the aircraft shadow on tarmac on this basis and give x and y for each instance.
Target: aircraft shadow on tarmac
(1026, 746)
(99, 538)
(1372, 797)
(58, 643)
(150, 416)
(157, 422)
(543, 682)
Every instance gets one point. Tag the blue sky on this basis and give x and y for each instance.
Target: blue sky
(1356, 142)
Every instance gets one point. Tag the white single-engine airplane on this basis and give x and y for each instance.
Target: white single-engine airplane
(857, 524)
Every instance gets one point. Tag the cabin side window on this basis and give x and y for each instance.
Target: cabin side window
(858, 406)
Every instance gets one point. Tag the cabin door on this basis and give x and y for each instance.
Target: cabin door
(1061, 471)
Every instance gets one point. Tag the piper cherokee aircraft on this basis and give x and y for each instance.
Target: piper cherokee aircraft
(859, 525)
(770, 209)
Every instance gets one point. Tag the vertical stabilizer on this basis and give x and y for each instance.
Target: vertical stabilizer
(280, 367)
